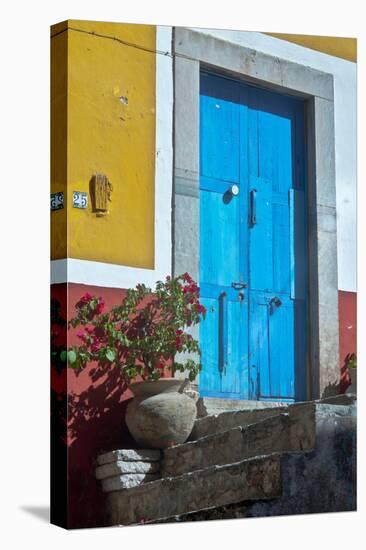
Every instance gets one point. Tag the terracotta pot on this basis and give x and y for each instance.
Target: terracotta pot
(160, 415)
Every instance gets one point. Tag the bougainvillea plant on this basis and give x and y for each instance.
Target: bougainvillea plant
(143, 334)
(351, 360)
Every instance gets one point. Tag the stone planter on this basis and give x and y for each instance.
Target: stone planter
(160, 415)
(353, 375)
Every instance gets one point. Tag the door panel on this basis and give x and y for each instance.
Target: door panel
(272, 347)
(261, 243)
(253, 245)
(219, 237)
(223, 343)
(219, 156)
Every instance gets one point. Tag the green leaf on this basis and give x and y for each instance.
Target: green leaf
(63, 355)
(110, 355)
(71, 356)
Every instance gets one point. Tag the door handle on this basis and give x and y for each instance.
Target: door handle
(239, 286)
(223, 328)
(274, 302)
(253, 207)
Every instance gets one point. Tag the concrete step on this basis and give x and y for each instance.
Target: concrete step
(258, 478)
(284, 432)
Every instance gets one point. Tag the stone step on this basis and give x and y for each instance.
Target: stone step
(258, 478)
(215, 423)
(284, 432)
(213, 405)
(319, 481)
(211, 424)
(126, 481)
(124, 467)
(129, 455)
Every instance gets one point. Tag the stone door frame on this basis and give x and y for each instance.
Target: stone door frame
(193, 51)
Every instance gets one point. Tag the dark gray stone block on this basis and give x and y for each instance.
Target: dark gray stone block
(257, 478)
(281, 433)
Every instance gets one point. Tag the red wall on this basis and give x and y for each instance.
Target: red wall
(95, 423)
(347, 331)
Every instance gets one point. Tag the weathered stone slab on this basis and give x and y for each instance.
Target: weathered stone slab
(226, 419)
(211, 424)
(212, 405)
(323, 480)
(123, 467)
(144, 455)
(342, 399)
(126, 481)
(258, 478)
(282, 433)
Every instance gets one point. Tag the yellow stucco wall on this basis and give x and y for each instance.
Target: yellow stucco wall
(345, 48)
(104, 134)
(59, 140)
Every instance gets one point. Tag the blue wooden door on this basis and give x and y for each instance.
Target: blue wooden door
(253, 264)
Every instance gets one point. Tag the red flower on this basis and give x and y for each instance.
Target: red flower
(95, 346)
(179, 332)
(187, 278)
(100, 306)
(80, 334)
(161, 365)
(200, 308)
(178, 343)
(99, 332)
(86, 298)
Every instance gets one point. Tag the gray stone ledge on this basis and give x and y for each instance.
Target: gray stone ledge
(284, 432)
(126, 481)
(212, 405)
(257, 478)
(126, 467)
(144, 455)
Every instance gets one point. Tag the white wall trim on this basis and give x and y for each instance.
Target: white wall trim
(102, 274)
(119, 276)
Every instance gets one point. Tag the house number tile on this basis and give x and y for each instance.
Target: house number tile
(80, 199)
(57, 201)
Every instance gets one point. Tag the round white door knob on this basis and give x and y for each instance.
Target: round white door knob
(234, 190)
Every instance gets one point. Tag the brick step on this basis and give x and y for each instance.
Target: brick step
(252, 479)
(285, 432)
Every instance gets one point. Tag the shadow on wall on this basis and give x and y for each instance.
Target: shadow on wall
(95, 424)
(88, 412)
(345, 377)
